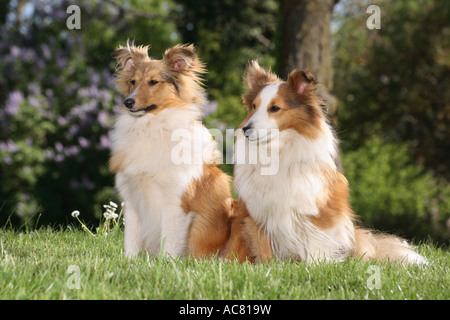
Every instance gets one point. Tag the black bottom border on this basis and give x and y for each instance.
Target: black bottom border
(218, 309)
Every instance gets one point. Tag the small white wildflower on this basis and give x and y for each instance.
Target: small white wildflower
(75, 213)
(122, 204)
(110, 215)
(110, 212)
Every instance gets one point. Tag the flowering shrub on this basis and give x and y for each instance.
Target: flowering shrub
(57, 103)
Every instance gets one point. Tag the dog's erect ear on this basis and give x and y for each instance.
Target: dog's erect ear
(124, 59)
(302, 82)
(129, 56)
(129, 65)
(255, 76)
(182, 58)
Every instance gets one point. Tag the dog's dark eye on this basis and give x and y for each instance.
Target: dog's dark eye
(133, 82)
(254, 106)
(274, 109)
(152, 82)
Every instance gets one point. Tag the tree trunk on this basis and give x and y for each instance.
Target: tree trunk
(306, 44)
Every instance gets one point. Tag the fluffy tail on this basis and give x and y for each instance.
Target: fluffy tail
(378, 246)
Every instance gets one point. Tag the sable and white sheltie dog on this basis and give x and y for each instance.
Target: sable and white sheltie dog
(187, 205)
(302, 211)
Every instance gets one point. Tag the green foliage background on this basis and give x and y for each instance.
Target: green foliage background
(394, 113)
(57, 99)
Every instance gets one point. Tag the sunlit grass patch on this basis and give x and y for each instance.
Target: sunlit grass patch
(72, 264)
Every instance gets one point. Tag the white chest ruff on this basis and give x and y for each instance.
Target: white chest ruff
(147, 143)
(284, 203)
(152, 181)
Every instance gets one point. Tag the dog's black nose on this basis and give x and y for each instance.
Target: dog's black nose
(245, 129)
(129, 103)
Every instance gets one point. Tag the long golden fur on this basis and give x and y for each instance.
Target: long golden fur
(186, 207)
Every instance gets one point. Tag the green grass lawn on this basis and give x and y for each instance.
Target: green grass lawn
(73, 264)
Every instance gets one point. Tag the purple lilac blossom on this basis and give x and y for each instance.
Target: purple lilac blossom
(12, 107)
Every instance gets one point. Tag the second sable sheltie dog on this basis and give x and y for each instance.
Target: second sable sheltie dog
(302, 211)
(185, 205)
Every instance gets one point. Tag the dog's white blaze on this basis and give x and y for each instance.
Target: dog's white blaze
(260, 120)
(134, 93)
(262, 116)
